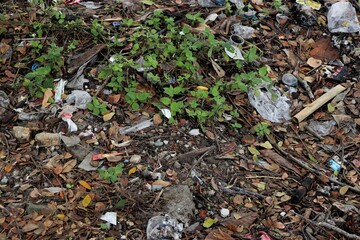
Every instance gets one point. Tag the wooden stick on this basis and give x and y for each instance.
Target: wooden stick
(318, 103)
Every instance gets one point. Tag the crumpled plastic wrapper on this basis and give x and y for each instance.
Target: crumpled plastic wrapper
(323, 128)
(164, 227)
(80, 98)
(342, 18)
(273, 108)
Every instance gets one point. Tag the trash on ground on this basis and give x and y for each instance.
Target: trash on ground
(273, 107)
(211, 3)
(110, 217)
(319, 102)
(90, 5)
(335, 164)
(342, 18)
(138, 127)
(313, 4)
(80, 98)
(166, 112)
(234, 52)
(194, 132)
(224, 212)
(66, 115)
(164, 227)
(59, 89)
(244, 32)
(322, 128)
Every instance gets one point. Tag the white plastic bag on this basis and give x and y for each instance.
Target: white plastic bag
(342, 18)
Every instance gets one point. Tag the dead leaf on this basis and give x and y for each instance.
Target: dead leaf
(280, 160)
(238, 199)
(30, 227)
(162, 183)
(58, 169)
(132, 170)
(108, 116)
(113, 98)
(69, 165)
(214, 185)
(210, 134)
(157, 119)
(218, 234)
(86, 201)
(47, 94)
(219, 71)
(343, 190)
(323, 49)
(313, 62)
(85, 184)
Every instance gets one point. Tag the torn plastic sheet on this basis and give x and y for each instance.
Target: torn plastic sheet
(77, 81)
(234, 53)
(342, 18)
(66, 115)
(59, 89)
(80, 98)
(273, 107)
(140, 126)
(90, 5)
(164, 227)
(323, 128)
(110, 217)
(243, 31)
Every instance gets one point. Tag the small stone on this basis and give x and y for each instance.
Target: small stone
(166, 142)
(194, 132)
(22, 134)
(135, 159)
(158, 143)
(177, 165)
(224, 212)
(48, 139)
(156, 188)
(289, 80)
(70, 141)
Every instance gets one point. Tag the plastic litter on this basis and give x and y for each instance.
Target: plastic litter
(244, 32)
(140, 126)
(211, 3)
(234, 53)
(4, 99)
(59, 89)
(236, 39)
(342, 18)
(306, 16)
(224, 212)
(335, 164)
(110, 217)
(164, 227)
(80, 98)
(312, 4)
(194, 132)
(90, 5)
(166, 112)
(323, 128)
(273, 108)
(289, 79)
(78, 83)
(66, 115)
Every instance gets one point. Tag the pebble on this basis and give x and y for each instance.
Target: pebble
(158, 143)
(48, 139)
(290, 80)
(22, 134)
(135, 159)
(224, 212)
(194, 132)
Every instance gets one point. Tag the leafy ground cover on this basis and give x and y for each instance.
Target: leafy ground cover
(210, 112)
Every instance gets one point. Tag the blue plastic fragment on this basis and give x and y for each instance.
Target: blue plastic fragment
(335, 165)
(116, 24)
(219, 2)
(35, 66)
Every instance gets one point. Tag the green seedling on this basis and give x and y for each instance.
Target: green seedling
(97, 108)
(262, 129)
(112, 173)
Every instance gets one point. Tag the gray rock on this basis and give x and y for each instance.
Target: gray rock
(41, 209)
(22, 134)
(70, 141)
(179, 203)
(48, 139)
(79, 151)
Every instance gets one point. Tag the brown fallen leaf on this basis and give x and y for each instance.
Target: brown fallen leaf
(30, 227)
(162, 183)
(323, 49)
(69, 165)
(280, 160)
(219, 234)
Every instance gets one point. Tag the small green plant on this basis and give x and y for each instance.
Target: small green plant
(112, 173)
(135, 96)
(262, 129)
(103, 226)
(97, 107)
(195, 17)
(277, 4)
